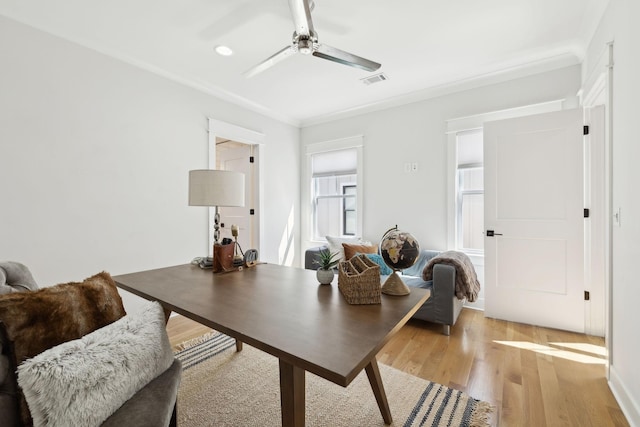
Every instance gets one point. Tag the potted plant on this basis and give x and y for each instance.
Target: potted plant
(326, 262)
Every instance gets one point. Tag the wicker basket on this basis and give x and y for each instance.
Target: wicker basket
(359, 280)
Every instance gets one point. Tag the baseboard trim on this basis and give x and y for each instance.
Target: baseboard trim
(477, 305)
(630, 408)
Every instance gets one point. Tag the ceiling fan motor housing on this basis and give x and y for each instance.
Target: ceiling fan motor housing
(305, 45)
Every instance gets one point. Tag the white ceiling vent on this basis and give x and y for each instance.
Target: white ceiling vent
(374, 79)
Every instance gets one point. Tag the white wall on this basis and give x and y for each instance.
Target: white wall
(94, 161)
(620, 25)
(417, 202)
(416, 133)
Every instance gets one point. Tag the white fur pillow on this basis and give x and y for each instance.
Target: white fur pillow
(82, 382)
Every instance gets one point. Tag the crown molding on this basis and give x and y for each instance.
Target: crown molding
(550, 63)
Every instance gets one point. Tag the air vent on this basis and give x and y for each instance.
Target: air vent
(374, 79)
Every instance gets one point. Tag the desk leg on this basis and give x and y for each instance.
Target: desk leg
(291, 395)
(238, 345)
(167, 314)
(378, 390)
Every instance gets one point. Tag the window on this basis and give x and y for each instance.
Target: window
(334, 192)
(349, 217)
(469, 191)
(465, 190)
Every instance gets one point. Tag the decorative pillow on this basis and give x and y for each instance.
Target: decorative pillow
(36, 321)
(350, 249)
(89, 378)
(335, 244)
(385, 270)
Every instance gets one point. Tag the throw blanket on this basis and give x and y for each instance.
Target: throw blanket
(467, 285)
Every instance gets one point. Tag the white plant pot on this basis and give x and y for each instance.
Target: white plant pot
(325, 277)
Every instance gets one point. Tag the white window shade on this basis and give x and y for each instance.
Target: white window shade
(469, 148)
(333, 163)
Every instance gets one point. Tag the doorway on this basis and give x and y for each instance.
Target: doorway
(239, 149)
(239, 157)
(545, 209)
(534, 201)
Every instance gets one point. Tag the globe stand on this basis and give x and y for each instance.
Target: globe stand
(394, 285)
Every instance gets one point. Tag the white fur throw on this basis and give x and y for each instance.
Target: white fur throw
(82, 382)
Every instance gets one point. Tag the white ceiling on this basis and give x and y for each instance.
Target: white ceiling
(425, 46)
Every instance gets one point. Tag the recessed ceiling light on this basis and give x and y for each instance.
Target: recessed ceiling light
(224, 50)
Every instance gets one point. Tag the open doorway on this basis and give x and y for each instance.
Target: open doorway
(238, 149)
(239, 157)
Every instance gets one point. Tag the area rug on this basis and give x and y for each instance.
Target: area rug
(222, 387)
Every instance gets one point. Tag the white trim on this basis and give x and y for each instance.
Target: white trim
(596, 81)
(506, 73)
(595, 240)
(335, 144)
(237, 133)
(608, 340)
(477, 121)
(596, 95)
(452, 185)
(557, 60)
(629, 407)
(185, 80)
(597, 89)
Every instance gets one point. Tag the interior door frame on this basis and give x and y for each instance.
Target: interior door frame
(218, 128)
(597, 90)
(599, 93)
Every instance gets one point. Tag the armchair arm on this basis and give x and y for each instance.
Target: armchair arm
(442, 306)
(312, 255)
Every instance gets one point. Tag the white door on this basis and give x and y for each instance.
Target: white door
(534, 262)
(238, 157)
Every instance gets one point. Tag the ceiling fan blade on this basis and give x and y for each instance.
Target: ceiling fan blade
(301, 14)
(346, 58)
(270, 61)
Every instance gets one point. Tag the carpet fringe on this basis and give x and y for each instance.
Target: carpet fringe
(195, 341)
(481, 413)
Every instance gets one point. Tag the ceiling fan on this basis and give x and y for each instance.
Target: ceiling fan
(305, 41)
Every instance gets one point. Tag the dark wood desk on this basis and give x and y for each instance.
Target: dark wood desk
(285, 312)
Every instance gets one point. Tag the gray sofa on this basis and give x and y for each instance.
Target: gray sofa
(442, 306)
(152, 406)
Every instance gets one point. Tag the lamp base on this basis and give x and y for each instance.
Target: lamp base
(223, 257)
(395, 286)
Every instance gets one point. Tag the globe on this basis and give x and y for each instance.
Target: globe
(399, 249)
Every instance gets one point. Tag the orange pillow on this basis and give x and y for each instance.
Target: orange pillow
(350, 250)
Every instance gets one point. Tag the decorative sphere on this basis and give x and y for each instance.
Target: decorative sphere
(399, 249)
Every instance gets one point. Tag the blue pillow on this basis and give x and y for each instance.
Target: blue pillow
(385, 270)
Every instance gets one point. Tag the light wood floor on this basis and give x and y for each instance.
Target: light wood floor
(533, 376)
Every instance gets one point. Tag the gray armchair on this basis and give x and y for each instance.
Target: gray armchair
(442, 306)
(154, 405)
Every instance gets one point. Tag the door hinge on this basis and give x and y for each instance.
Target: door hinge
(251, 159)
(586, 295)
(585, 130)
(252, 211)
(586, 213)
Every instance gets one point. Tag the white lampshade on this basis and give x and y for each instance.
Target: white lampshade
(216, 188)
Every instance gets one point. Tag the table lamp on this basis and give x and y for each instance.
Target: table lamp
(210, 187)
